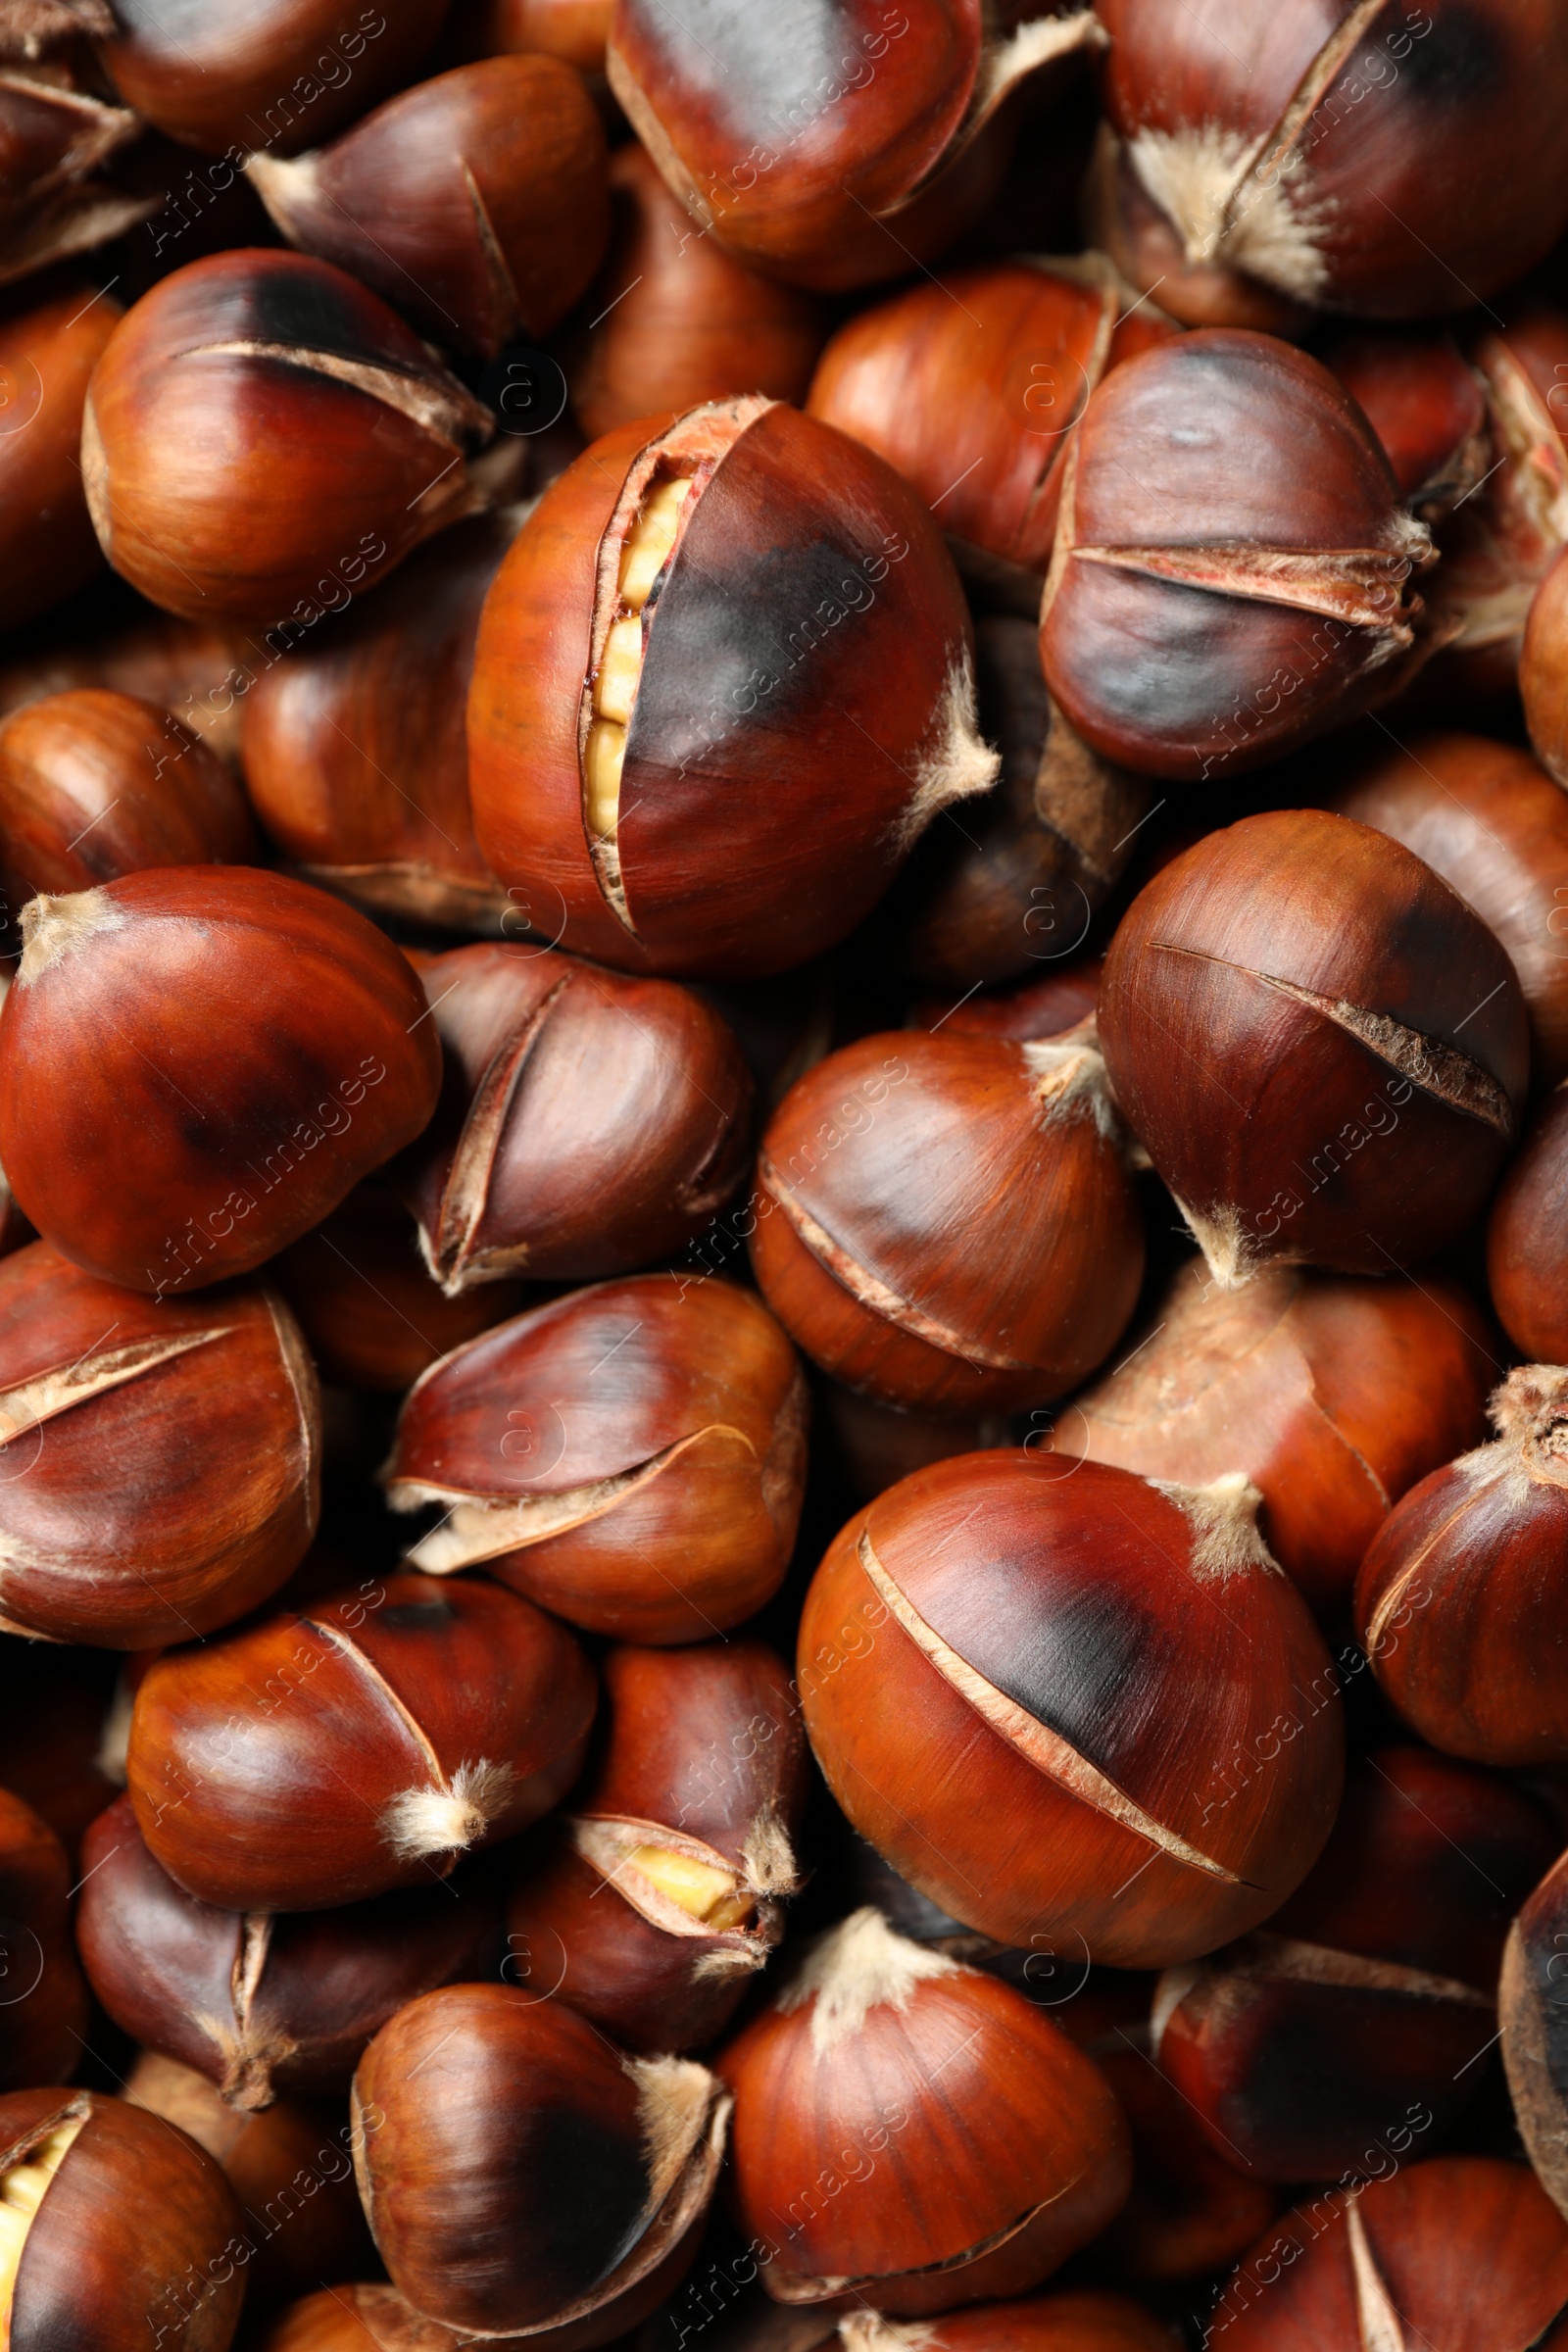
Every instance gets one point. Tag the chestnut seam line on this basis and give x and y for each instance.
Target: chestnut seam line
(1380, 1490)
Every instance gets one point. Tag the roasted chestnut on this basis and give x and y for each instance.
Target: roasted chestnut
(948, 1224)
(574, 30)
(1232, 560)
(278, 76)
(52, 136)
(47, 356)
(255, 1046)
(1064, 993)
(1322, 1047)
(663, 1892)
(1428, 407)
(871, 1447)
(160, 1461)
(115, 2229)
(266, 2004)
(978, 2146)
(263, 438)
(1192, 2211)
(519, 2172)
(95, 784)
(834, 146)
(1371, 1993)
(971, 388)
(1527, 1239)
(629, 1456)
(1291, 159)
(1084, 2319)
(1487, 818)
(477, 203)
(360, 1746)
(1534, 2016)
(44, 2016)
(198, 672)
(1459, 1601)
(1333, 1395)
(1544, 668)
(731, 803)
(589, 1121)
(1104, 1713)
(685, 322)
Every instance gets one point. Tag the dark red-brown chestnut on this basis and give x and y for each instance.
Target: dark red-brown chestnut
(1544, 668)
(197, 1063)
(1192, 2211)
(55, 1705)
(1065, 1701)
(1427, 406)
(574, 29)
(724, 679)
(1083, 2319)
(1535, 2029)
(629, 1456)
(44, 2016)
(442, 1715)
(1527, 1239)
(48, 351)
(1322, 1047)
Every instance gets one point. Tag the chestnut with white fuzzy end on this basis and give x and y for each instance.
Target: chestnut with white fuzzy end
(663, 1892)
(523, 2175)
(724, 678)
(1079, 2319)
(447, 1714)
(160, 1461)
(948, 1223)
(590, 1121)
(976, 2147)
(631, 1458)
(1460, 1601)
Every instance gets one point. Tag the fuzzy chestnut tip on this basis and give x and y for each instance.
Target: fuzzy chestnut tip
(54, 928)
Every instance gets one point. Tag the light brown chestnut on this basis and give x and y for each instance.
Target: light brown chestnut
(441, 1716)
(43, 2019)
(630, 1456)
(48, 351)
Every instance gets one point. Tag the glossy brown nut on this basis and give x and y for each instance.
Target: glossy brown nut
(265, 2005)
(365, 1299)
(948, 1224)
(1427, 406)
(871, 1447)
(1371, 1994)
(574, 29)
(52, 135)
(980, 2147)
(271, 387)
(833, 147)
(1069, 1703)
(971, 388)
(1084, 2319)
(477, 203)
(1535, 2029)
(161, 1463)
(662, 1893)
(199, 672)
(1297, 154)
(690, 322)
(1192, 2211)
(1232, 560)
(1323, 1050)
(589, 1122)
(1460, 2254)
(362, 1745)
(291, 2171)
(1123, 220)
(278, 77)
(1066, 994)
(1543, 670)
(47, 546)
(735, 820)
(138, 2230)
(1527, 1239)
(255, 1046)
(1458, 1603)
(1332, 1395)
(44, 2019)
(517, 2171)
(630, 1456)
(95, 784)
(1487, 818)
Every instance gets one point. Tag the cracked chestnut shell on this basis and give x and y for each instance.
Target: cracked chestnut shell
(1527, 1239)
(948, 1223)
(1371, 1993)
(979, 2148)
(662, 1893)
(263, 438)
(197, 1063)
(590, 1121)
(47, 355)
(1332, 1395)
(1290, 158)
(1322, 1047)
(724, 678)
(477, 203)
(160, 1461)
(265, 2005)
(1459, 1604)
(1066, 1702)
(1458, 2254)
(521, 2173)
(630, 1456)
(1232, 560)
(44, 2019)
(337, 1752)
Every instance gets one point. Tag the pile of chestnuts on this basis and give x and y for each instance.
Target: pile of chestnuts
(783, 1422)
